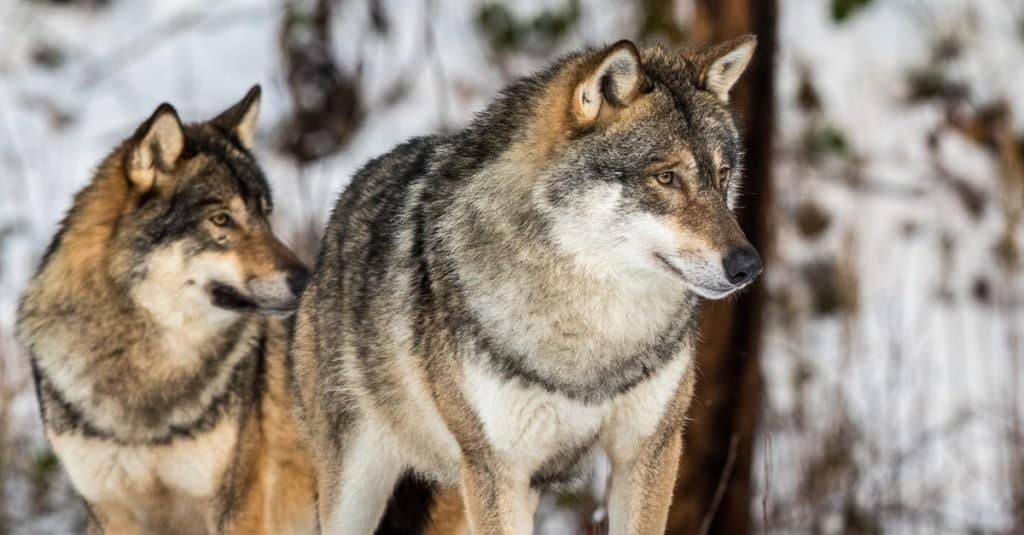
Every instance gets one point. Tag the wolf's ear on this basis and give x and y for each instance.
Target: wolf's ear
(157, 145)
(240, 119)
(719, 66)
(616, 81)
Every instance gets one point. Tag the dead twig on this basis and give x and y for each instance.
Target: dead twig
(705, 525)
(767, 479)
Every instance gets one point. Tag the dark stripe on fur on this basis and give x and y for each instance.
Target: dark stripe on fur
(70, 419)
(613, 381)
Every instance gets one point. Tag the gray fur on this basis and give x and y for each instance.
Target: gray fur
(424, 242)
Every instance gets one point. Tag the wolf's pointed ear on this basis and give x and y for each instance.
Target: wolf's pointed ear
(157, 145)
(719, 66)
(240, 119)
(616, 81)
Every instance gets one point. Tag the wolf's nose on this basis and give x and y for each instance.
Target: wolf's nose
(742, 265)
(298, 280)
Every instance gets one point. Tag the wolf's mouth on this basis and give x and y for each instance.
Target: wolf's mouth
(228, 298)
(707, 292)
(225, 296)
(668, 265)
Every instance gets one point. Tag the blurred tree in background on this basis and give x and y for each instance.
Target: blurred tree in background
(327, 107)
(714, 488)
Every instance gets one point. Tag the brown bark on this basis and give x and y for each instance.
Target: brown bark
(714, 489)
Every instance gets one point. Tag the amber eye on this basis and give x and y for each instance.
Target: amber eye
(724, 173)
(667, 178)
(220, 219)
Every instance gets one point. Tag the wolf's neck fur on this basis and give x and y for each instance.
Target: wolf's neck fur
(120, 368)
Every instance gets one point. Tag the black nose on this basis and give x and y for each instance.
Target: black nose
(742, 265)
(297, 281)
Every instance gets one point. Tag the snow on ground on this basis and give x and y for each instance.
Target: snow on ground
(928, 381)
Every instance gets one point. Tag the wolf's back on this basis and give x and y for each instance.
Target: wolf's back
(378, 190)
(361, 241)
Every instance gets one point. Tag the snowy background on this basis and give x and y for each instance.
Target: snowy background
(894, 355)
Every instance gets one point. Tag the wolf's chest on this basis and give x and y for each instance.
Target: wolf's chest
(527, 425)
(103, 471)
(532, 428)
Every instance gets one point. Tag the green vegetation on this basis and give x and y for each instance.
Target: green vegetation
(843, 9)
(505, 32)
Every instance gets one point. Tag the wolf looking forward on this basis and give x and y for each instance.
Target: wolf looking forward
(490, 307)
(156, 344)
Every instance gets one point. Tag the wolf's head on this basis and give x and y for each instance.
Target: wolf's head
(194, 230)
(643, 163)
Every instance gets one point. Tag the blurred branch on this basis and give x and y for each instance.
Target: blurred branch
(928, 437)
(440, 79)
(720, 490)
(767, 475)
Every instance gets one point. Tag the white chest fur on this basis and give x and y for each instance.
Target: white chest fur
(103, 471)
(528, 425)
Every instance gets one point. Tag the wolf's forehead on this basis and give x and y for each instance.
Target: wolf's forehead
(667, 133)
(670, 68)
(228, 173)
(693, 108)
(697, 122)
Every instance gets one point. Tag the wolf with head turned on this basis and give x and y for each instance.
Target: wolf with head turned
(493, 306)
(157, 338)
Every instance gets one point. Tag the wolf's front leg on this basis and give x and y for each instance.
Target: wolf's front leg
(369, 470)
(641, 487)
(496, 503)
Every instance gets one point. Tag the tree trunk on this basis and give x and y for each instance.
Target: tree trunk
(714, 488)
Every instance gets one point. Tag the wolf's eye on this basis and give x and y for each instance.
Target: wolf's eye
(668, 178)
(724, 174)
(220, 219)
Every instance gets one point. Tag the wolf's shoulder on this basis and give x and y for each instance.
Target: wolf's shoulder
(404, 162)
(378, 192)
(395, 169)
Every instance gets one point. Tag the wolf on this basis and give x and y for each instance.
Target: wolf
(157, 335)
(492, 307)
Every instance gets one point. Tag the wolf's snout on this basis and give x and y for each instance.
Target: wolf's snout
(298, 280)
(742, 265)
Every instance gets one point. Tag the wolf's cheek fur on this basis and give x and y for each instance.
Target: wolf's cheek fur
(606, 239)
(178, 285)
(174, 289)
